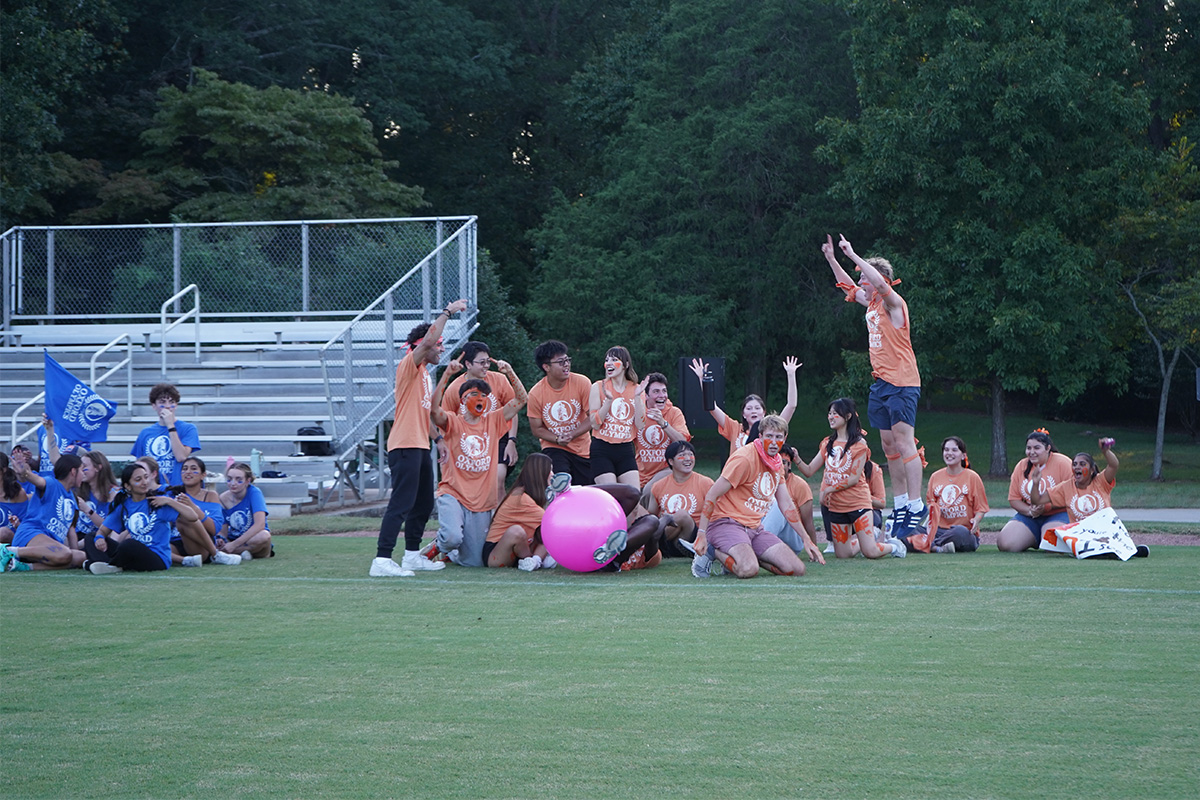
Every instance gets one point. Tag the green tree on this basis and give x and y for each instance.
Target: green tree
(996, 140)
(49, 48)
(711, 200)
(226, 151)
(1158, 249)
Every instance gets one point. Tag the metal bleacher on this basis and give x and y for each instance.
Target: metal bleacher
(248, 384)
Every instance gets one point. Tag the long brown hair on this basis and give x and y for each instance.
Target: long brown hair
(104, 481)
(533, 479)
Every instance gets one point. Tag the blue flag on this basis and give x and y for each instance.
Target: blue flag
(79, 414)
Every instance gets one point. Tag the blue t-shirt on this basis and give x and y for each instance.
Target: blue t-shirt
(50, 512)
(213, 511)
(150, 526)
(155, 441)
(12, 507)
(84, 525)
(241, 516)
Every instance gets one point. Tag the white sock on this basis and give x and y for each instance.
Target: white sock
(413, 553)
(915, 505)
(900, 501)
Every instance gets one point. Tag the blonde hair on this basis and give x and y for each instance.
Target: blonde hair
(775, 423)
(883, 265)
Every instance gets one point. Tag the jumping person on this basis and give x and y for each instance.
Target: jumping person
(477, 360)
(467, 493)
(411, 502)
(754, 408)
(892, 404)
(558, 413)
(617, 408)
(1033, 519)
(736, 504)
(844, 488)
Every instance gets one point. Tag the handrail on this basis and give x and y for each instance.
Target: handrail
(13, 439)
(195, 312)
(128, 362)
(362, 314)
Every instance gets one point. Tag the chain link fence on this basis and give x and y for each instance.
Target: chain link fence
(298, 270)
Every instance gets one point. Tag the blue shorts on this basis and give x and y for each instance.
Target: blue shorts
(887, 405)
(1035, 525)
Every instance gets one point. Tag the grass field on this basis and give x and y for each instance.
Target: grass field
(985, 675)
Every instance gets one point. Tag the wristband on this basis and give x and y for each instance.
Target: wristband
(438, 439)
(172, 429)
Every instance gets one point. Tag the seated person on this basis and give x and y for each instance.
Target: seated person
(195, 542)
(957, 501)
(139, 523)
(1091, 489)
(46, 538)
(245, 532)
(13, 500)
(802, 499)
(514, 538)
(679, 498)
(466, 495)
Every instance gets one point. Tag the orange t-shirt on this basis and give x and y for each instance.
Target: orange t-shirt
(470, 474)
(562, 410)
(839, 468)
(958, 498)
(502, 392)
(890, 348)
(519, 509)
(878, 490)
(1058, 470)
(414, 395)
(650, 449)
(753, 489)
(798, 489)
(618, 425)
(688, 496)
(1082, 503)
(731, 429)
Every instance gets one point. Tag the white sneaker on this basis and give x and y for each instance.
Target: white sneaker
(701, 564)
(898, 548)
(529, 564)
(387, 568)
(246, 556)
(228, 559)
(192, 561)
(828, 548)
(104, 568)
(548, 562)
(418, 563)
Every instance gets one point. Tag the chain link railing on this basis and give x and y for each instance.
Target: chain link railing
(300, 270)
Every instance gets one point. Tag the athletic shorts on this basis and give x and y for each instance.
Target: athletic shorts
(500, 450)
(615, 458)
(578, 467)
(488, 547)
(849, 522)
(888, 405)
(1035, 525)
(725, 533)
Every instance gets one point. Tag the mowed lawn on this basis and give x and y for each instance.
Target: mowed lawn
(980, 675)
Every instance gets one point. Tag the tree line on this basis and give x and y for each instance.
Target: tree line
(660, 174)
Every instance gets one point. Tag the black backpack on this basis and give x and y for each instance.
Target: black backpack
(315, 448)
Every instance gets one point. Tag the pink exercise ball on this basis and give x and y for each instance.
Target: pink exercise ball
(584, 528)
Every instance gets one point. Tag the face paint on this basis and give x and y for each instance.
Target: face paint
(476, 402)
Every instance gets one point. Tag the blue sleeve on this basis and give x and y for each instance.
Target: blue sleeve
(139, 447)
(187, 434)
(257, 501)
(115, 521)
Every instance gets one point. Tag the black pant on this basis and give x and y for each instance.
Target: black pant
(134, 556)
(411, 503)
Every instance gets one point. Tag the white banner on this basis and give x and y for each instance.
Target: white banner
(1100, 533)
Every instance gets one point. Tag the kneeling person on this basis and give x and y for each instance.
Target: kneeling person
(738, 501)
(466, 495)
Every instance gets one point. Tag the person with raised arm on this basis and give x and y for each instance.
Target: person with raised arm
(411, 502)
(754, 408)
(892, 403)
